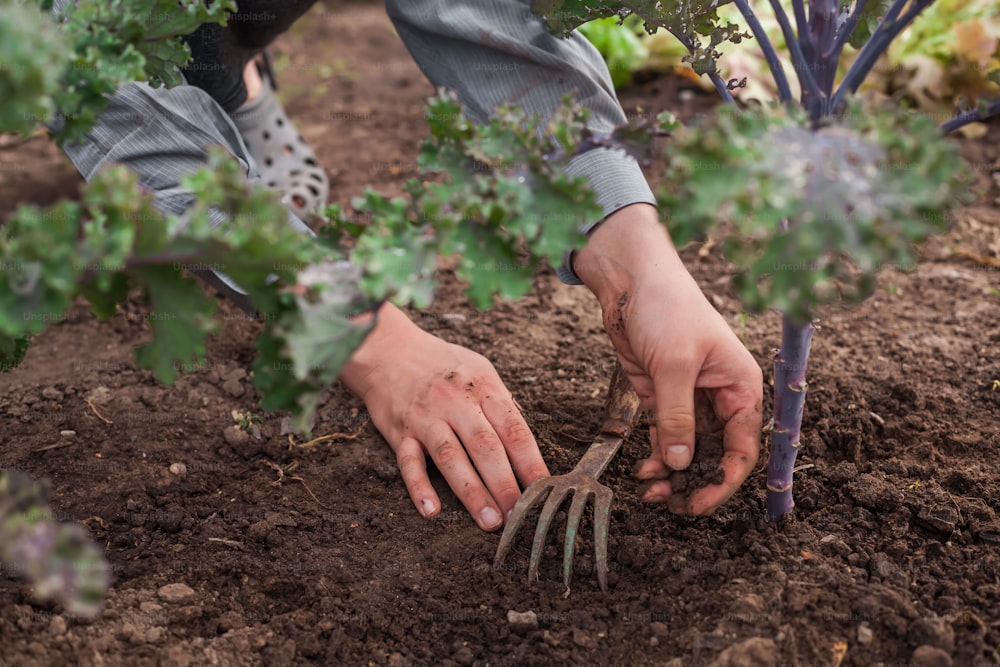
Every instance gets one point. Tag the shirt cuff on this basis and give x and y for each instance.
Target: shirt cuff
(618, 181)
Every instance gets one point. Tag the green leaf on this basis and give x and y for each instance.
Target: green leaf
(180, 317)
(695, 23)
(12, 351)
(619, 43)
(857, 194)
(312, 337)
(871, 14)
(102, 45)
(31, 58)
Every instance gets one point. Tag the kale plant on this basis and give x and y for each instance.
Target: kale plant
(811, 197)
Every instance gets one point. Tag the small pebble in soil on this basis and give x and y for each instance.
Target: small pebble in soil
(234, 388)
(881, 566)
(67, 434)
(522, 622)
(178, 469)
(865, 634)
(52, 394)
(748, 653)
(583, 639)
(177, 592)
(235, 436)
(57, 626)
(942, 518)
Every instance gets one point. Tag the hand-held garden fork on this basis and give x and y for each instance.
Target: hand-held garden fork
(621, 411)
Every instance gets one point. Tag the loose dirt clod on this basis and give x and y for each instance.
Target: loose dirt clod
(522, 622)
(177, 592)
(235, 436)
(929, 656)
(704, 469)
(753, 652)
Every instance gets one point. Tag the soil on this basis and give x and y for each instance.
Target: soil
(278, 554)
(704, 469)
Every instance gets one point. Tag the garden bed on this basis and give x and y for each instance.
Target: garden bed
(894, 544)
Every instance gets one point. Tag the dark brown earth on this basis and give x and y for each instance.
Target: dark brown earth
(893, 555)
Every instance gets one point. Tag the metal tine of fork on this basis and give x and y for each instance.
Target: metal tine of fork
(602, 519)
(572, 525)
(535, 490)
(542, 530)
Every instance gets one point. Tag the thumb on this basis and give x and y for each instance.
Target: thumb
(675, 419)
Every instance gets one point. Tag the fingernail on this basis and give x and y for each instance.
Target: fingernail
(653, 498)
(489, 518)
(427, 506)
(677, 457)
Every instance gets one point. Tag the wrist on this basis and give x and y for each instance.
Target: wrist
(629, 248)
(392, 329)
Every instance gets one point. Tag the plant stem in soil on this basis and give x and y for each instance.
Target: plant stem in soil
(789, 397)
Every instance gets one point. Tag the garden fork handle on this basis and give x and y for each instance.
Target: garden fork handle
(621, 410)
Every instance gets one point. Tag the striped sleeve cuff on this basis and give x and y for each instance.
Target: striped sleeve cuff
(618, 181)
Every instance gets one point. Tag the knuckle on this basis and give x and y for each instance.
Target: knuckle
(484, 439)
(507, 490)
(409, 463)
(447, 453)
(516, 432)
(673, 421)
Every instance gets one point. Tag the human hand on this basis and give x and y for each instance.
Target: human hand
(687, 366)
(430, 397)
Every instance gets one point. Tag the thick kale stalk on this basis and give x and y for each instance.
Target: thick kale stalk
(789, 399)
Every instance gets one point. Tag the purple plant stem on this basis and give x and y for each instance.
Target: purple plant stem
(789, 398)
(812, 98)
(773, 61)
(888, 28)
(973, 116)
(822, 29)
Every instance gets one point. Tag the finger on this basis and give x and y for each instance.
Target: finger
(412, 460)
(453, 462)
(483, 446)
(742, 449)
(522, 449)
(675, 414)
(651, 468)
(655, 491)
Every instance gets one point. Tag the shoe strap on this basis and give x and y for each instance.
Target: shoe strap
(265, 69)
